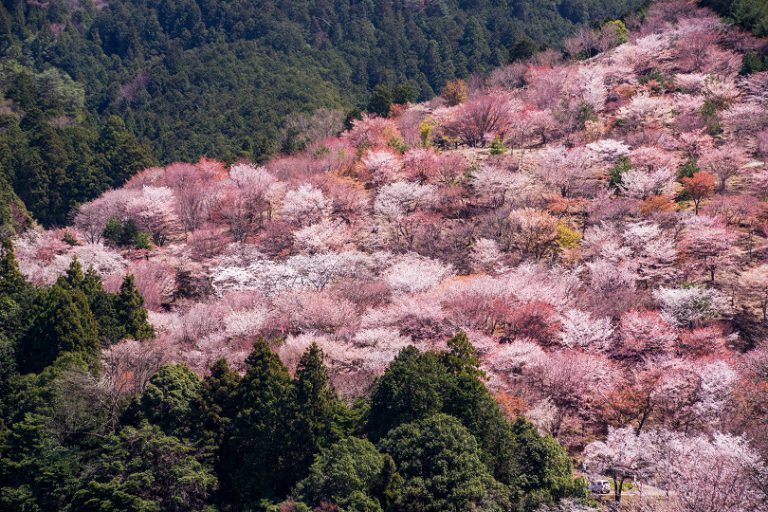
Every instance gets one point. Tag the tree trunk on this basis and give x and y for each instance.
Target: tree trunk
(618, 484)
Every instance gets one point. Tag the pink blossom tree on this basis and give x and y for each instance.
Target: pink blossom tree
(479, 120)
(725, 162)
(708, 245)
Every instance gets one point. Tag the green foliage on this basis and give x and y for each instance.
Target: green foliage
(143, 469)
(38, 469)
(316, 409)
(662, 82)
(754, 63)
(709, 112)
(425, 132)
(417, 385)
(216, 405)
(62, 321)
(119, 152)
(586, 113)
(687, 169)
(750, 14)
(168, 401)
(125, 234)
(497, 146)
(546, 468)
(345, 472)
(442, 468)
(252, 459)
(622, 165)
(622, 32)
(131, 315)
(380, 101)
(14, 216)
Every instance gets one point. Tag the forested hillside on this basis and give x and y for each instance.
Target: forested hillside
(750, 14)
(221, 78)
(447, 306)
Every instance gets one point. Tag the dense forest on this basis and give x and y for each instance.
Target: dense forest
(750, 14)
(222, 78)
(431, 437)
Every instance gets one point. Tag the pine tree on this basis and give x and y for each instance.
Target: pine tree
(253, 463)
(62, 321)
(12, 282)
(103, 307)
(121, 153)
(132, 316)
(217, 404)
(16, 295)
(74, 276)
(315, 408)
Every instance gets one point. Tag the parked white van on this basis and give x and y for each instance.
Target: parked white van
(600, 487)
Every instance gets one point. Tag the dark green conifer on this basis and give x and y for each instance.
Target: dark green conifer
(131, 315)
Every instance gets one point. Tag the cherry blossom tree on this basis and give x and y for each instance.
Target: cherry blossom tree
(690, 305)
(571, 380)
(640, 184)
(487, 257)
(155, 281)
(725, 162)
(533, 232)
(413, 273)
(581, 329)
(624, 455)
(567, 170)
(384, 164)
(154, 211)
(479, 120)
(372, 132)
(753, 285)
(194, 188)
(305, 206)
(613, 286)
(421, 165)
(708, 245)
(718, 474)
(644, 334)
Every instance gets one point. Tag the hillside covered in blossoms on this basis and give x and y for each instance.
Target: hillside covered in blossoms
(595, 222)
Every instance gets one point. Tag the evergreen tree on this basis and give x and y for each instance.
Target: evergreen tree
(216, 406)
(412, 387)
(62, 321)
(12, 282)
(131, 315)
(347, 471)
(475, 47)
(38, 470)
(74, 276)
(14, 217)
(103, 307)
(144, 470)
(168, 401)
(380, 100)
(253, 463)
(120, 152)
(441, 465)
(16, 296)
(316, 409)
